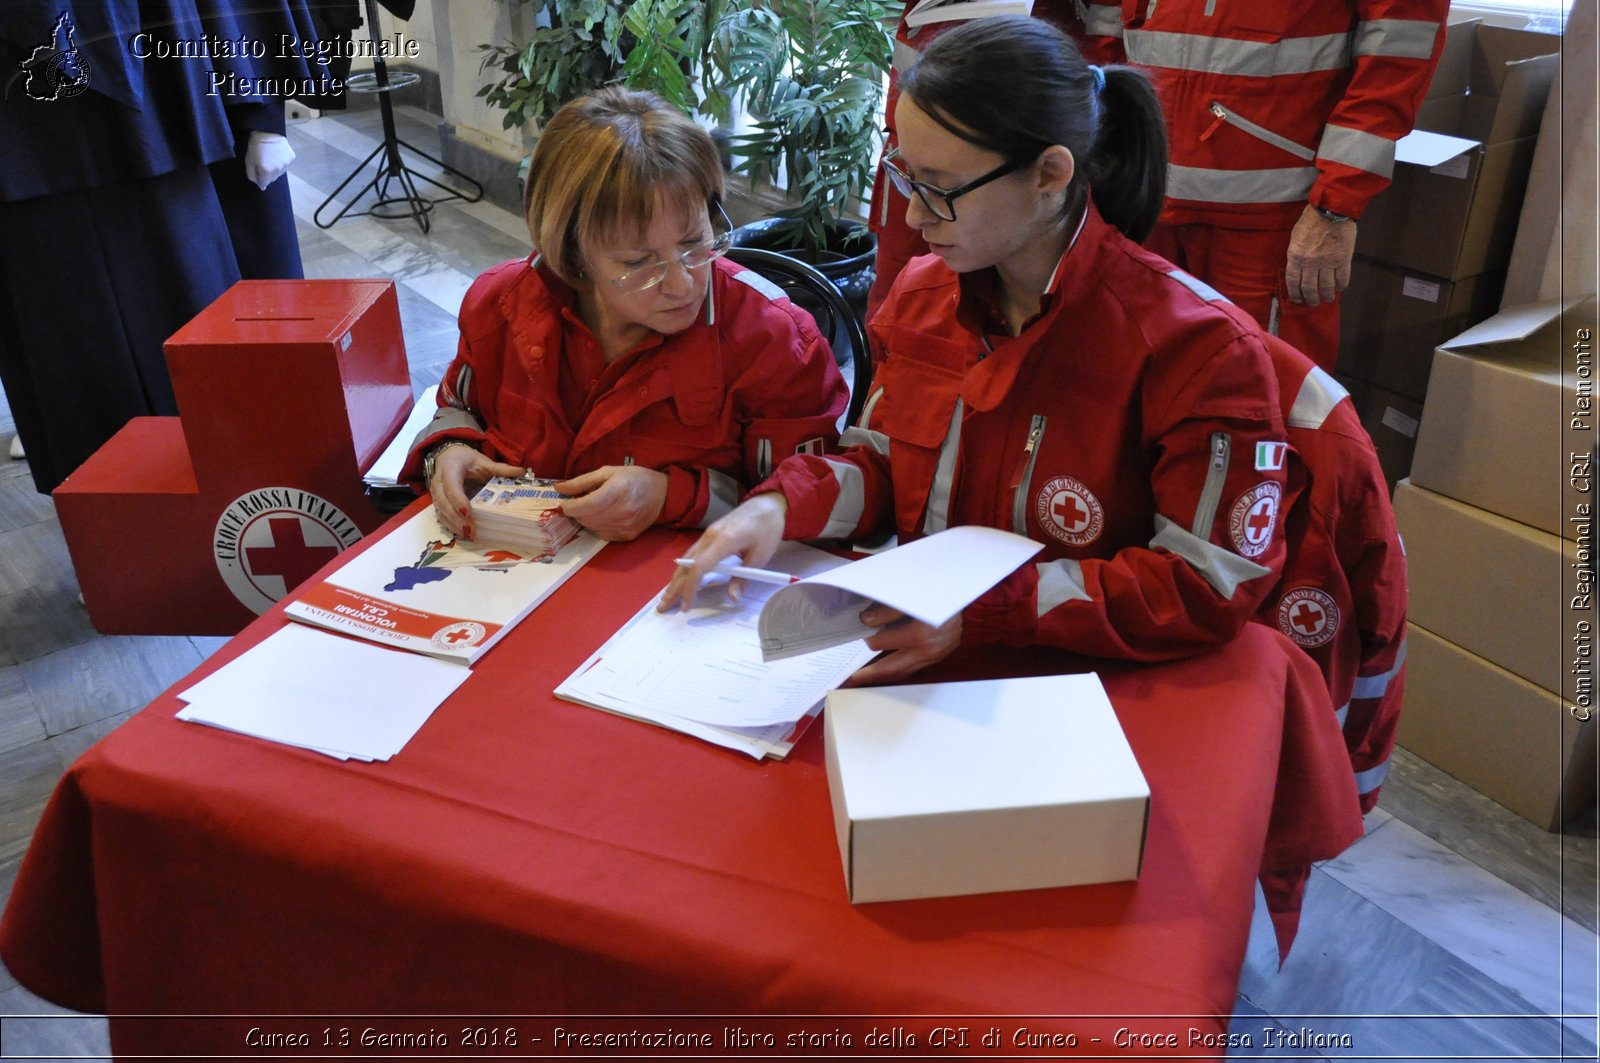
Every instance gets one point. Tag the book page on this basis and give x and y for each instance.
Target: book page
(931, 579)
(705, 664)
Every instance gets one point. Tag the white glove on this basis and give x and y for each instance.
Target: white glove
(267, 158)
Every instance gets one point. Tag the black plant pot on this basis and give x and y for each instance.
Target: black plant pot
(849, 260)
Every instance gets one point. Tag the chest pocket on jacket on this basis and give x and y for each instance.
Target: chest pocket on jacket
(1259, 18)
(919, 403)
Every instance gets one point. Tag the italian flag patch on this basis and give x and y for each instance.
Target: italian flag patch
(1270, 456)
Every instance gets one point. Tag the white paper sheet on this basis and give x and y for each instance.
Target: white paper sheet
(931, 579)
(701, 672)
(385, 472)
(1423, 148)
(321, 691)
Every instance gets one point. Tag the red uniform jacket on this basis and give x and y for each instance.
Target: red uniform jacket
(715, 407)
(1342, 596)
(1271, 104)
(1120, 429)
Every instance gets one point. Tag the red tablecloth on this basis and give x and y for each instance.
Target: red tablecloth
(523, 855)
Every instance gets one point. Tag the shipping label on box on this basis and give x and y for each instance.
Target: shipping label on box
(946, 789)
(1391, 420)
(1393, 319)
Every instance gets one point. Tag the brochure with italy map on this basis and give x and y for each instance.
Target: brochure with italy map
(420, 588)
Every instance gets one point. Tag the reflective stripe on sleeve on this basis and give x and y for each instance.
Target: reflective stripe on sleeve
(725, 492)
(1204, 54)
(865, 437)
(1223, 569)
(1319, 394)
(761, 284)
(1101, 20)
(1287, 185)
(938, 516)
(1060, 582)
(904, 56)
(848, 507)
(1357, 148)
(1376, 686)
(1198, 286)
(1396, 38)
(456, 391)
(1369, 780)
(448, 419)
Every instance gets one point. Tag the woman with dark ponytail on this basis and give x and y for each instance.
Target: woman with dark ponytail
(1043, 374)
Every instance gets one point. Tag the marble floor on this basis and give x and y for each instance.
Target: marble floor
(1453, 930)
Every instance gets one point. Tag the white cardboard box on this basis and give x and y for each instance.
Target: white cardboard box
(945, 789)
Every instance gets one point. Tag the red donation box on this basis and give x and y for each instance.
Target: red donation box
(194, 525)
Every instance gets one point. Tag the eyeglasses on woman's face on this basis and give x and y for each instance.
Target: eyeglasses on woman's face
(643, 278)
(941, 202)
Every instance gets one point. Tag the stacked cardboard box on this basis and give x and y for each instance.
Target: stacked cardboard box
(1498, 525)
(1432, 249)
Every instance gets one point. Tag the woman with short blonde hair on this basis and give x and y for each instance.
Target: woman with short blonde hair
(626, 356)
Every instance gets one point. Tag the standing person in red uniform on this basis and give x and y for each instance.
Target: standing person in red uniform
(1282, 119)
(899, 243)
(1044, 374)
(626, 354)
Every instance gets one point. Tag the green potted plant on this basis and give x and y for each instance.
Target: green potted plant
(810, 74)
(578, 46)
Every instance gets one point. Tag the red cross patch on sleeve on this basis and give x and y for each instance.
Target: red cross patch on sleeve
(1254, 515)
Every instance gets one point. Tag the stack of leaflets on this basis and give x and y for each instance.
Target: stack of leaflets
(522, 514)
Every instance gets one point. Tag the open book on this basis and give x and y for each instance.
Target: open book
(420, 588)
(926, 11)
(931, 579)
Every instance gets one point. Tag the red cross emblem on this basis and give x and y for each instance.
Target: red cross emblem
(1258, 525)
(1070, 512)
(290, 556)
(1254, 516)
(1067, 510)
(461, 635)
(1309, 616)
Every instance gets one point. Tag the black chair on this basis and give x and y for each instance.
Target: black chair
(807, 288)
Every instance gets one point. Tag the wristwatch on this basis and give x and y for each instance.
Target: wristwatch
(1331, 216)
(431, 458)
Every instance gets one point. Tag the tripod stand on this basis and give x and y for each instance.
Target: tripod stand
(391, 168)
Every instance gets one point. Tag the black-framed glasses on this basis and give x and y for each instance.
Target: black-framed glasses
(646, 277)
(941, 202)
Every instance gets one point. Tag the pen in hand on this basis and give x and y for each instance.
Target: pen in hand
(727, 567)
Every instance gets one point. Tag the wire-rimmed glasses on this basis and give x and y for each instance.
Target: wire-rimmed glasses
(646, 277)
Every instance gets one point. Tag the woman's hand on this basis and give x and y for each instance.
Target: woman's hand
(753, 531)
(616, 502)
(913, 645)
(458, 472)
